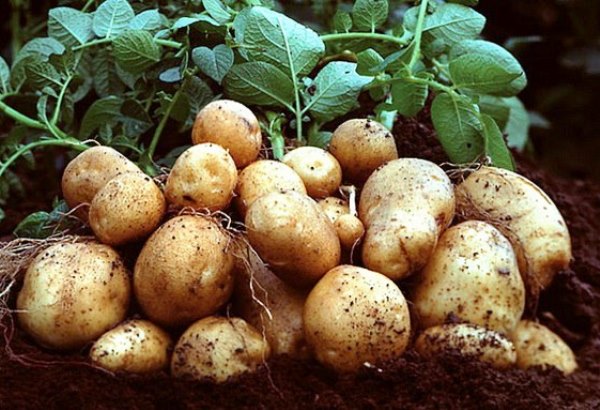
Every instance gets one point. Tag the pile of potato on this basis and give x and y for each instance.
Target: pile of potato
(314, 274)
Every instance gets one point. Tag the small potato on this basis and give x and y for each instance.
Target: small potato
(472, 275)
(538, 346)
(263, 177)
(203, 177)
(354, 316)
(349, 228)
(184, 271)
(219, 348)
(128, 208)
(361, 146)
(136, 346)
(319, 170)
(334, 207)
(87, 173)
(73, 293)
(231, 125)
(469, 340)
(291, 233)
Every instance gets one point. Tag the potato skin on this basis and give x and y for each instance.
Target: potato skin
(354, 315)
(291, 233)
(203, 177)
(538, 346)
(128, 208)
(525, 215)
(318, 169)
(349, 228)
(72, 293)
(135, 346)
(361, 146)
(184, 271)
(231, 125)
(473, 275)
(219, 348)
(470, 340)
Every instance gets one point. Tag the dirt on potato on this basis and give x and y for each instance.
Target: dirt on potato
(570, 307)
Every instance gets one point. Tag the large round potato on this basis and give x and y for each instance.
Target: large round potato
(231, 125)
(128, 208)
(219, 348)
(319, 170)
(203, 177)
(184, 271)
(292, 234)
(473, 275)
(354, 316)
(73, 293)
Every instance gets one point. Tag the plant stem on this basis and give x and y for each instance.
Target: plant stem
(87, 5)
(21, 118)
(418, 34)
(297, 109)
(371, 36)
(63, 91)
(166, 43)
(15, 28)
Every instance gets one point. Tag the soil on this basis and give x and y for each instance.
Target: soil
(571, 307)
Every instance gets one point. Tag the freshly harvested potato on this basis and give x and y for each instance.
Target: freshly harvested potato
(349, 228)
(469, 340)
(538, 346)
(219, 348)
(203, 177)
(334, 207)
(136, 346)
(231, 125)
(361, 146)
(263, 177)
(128, 208)
(87, 173)
(405, 205)
(319, 170)
(354, 316)
(525, 215)
(268, 304)
(292, 234)
(473, 275)
(72, 293)
(184, 271)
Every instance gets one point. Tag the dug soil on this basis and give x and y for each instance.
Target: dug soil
(33, 378)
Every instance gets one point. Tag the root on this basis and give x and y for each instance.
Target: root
(459, 173)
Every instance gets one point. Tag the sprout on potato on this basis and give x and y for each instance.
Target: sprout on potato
(318, 169)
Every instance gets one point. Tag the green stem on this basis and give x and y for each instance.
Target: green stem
(418, 34)
(61, 96)
(87, 5)
(21, 118)
(431, 83)
(297, 109)
(15, 28)
(166, 43)
(371, 36)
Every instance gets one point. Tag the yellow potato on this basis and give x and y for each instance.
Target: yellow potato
(349, 228)
(319, 170)
(334, 207)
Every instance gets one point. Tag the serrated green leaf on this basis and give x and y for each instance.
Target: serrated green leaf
(4, 77)
(369, 15)
(482, 74)
(368, 62)
(134, 118)
(342, 22)
(106, 81)
(216, 9)
(112, 18)
(259, 83)
(44, 46)
(33, 226)
(103, 111)
(453, 23)
(215, 63)
(458, 127)
(43, 74)
(319, 139)
(197, 94)
(495, 107)
(149, 20)
(199, 18)
(70, 26)
(135, 51)
(408, 98)
(334, 91)
(280, 41)
(517, 126)
(495, 147)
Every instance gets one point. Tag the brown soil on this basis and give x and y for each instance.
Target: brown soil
(571, 306)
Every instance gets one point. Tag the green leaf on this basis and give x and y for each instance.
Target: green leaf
(495, 107)
(43, 74)
(135, 119)
(495, 147)
(369, 62)
(408, 98)
(342, 22)
(199, 18)
(135, 51)
(217, 10)
(457, 124)
(4, 77)
(280, 41)
(198, 94)
(482, 74)
(334, 91)
(465, 2)
(453, 23)
(45, 46)
(69, 26)
(369, 14)
(171, 75)
(149, 20)
(106, 81)
(214, 63)
(259, 83)
(112, 18)
(103, 111)
(319, 139)
(517, 127)
(33, 226)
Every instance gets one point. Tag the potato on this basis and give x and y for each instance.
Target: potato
(184, 271)
(348, 227)
(334, 207)
(203, 177)
(128, 208)
(136, 346)
(469, 340)
(72, 293)
(525, 215)
(219, 348)
(354, 316)
(473, 275)
(231, 125)
(538, 346)
(319, 170)
(405, 205)
(292, 234)
(87, 173)
(263, 177)
(361, 146)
